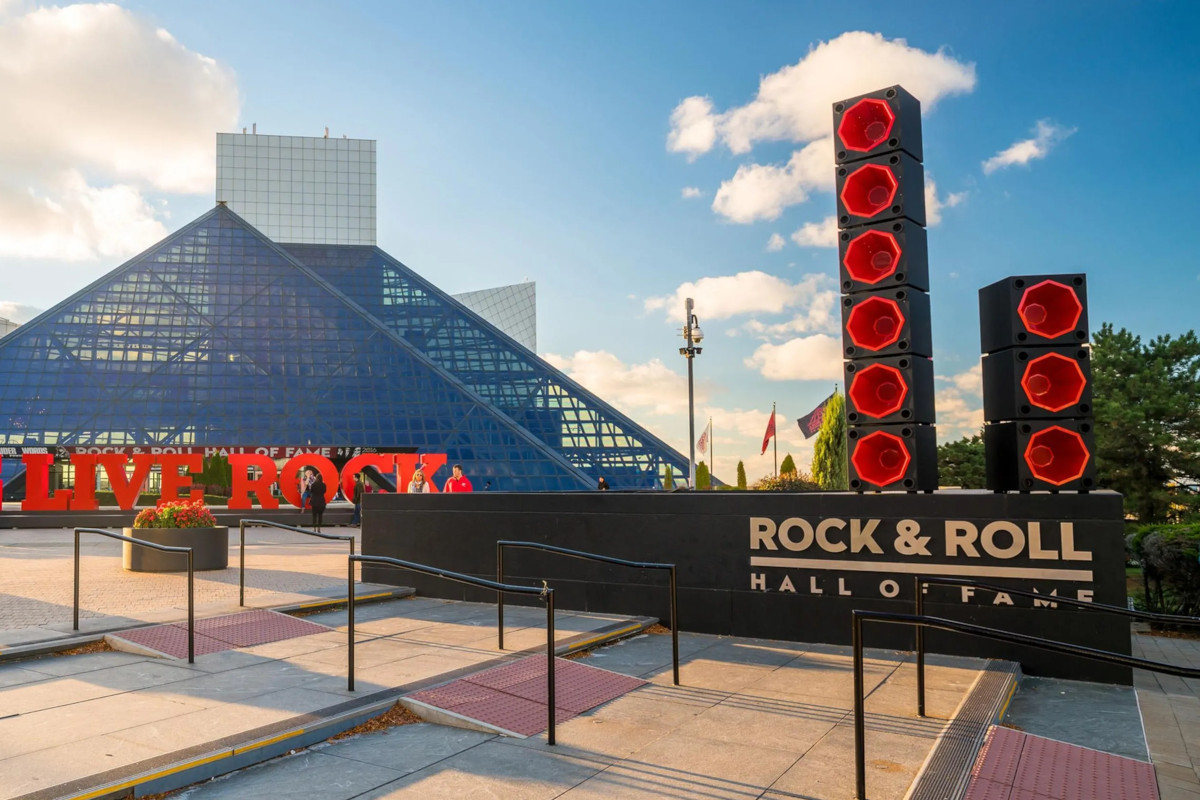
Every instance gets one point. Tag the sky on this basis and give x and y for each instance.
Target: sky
(626, 156)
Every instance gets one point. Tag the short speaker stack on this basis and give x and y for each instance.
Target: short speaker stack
(1037, 384)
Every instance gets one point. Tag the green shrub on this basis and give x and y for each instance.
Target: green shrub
(787, 482)
(1169, 555)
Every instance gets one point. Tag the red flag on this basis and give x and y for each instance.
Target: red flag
(703, 443)
(770, 432)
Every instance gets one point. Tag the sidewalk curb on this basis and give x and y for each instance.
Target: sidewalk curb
(205, 761)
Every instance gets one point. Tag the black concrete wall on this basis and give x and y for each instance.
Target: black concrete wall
(708, 535)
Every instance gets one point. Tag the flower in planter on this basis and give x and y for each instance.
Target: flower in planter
(176, 514)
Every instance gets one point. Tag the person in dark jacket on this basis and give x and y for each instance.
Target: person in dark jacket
(316, 496)
(356, 498)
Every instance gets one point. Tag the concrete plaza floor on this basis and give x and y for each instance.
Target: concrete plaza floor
(753, 718)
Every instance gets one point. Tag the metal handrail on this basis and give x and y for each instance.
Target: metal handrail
(544, 592)
(154, 546)
(269, 524)
(922, 581)
(590, 557)
(858, 617)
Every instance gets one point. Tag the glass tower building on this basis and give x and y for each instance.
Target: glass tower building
(220, 335)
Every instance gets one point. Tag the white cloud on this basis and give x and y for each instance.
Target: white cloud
(693, 127)
(935, 204)
(96, 90)
(822, 315)
(808, 358)
(775, 243)
(794, 103)
(648, 387)
(690, 193)
(18, 312)
(960, 404)
(1046, 134)
(743, 293)
(817, 234)
(76, 222)
(758, 191)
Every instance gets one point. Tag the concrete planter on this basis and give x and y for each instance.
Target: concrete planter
(210, 549)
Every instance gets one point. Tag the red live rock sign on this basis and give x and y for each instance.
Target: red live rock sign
(176, 477)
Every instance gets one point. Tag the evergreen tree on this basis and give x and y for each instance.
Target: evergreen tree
(669, 479)
(961, 463)
(703, 479)
(741, 475)
(1147, 410)
(829, 453)
(788, 465)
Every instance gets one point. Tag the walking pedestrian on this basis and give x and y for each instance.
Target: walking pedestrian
(356, 519)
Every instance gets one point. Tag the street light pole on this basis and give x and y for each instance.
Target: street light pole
(692, 336)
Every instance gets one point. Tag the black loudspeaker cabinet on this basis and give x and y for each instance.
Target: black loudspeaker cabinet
(892, 458)
(875, 123)
(1038, 310)
(896, 389)
(877, 189)
(1037, 383)
(886, 323)
(1040, 455)
(894, 253)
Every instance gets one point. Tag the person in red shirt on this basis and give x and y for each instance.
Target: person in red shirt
(457, 482)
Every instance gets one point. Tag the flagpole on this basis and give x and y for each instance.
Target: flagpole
(775, 439)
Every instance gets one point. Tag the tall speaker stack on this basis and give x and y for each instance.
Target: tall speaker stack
(1037, 384)
(884, 272)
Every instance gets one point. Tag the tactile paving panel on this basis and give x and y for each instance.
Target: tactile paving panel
(216, 634)
(172, 641)
(1033, 768)
(513, 697)
(255, 627)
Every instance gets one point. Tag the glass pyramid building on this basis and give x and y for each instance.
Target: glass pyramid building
(219, 336)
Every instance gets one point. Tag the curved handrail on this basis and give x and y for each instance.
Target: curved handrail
(544, 592)
(500, 545)
(269, 524)
(154, 546)
(921, 581)
(858, 617)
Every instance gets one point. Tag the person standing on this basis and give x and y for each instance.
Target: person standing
(418, 484)
(457, 482)
(602, 485)
(356, 498)
(305, 495)
(316, 496)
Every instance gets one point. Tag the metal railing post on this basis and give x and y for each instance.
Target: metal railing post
(500, 545)
(550, 699)
(153, 546)
(350, 623)
(76, 616)
(242, 563)
(860, 758)
(920, 637)
(674, 628)
(500, 594)
(191, 607)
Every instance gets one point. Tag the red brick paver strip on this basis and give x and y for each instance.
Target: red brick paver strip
(513, 697)
(1020, 766)
(217, 634)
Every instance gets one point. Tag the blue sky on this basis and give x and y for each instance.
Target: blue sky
(531, 141)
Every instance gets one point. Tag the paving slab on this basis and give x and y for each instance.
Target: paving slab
(660, 740)
(106, 712)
